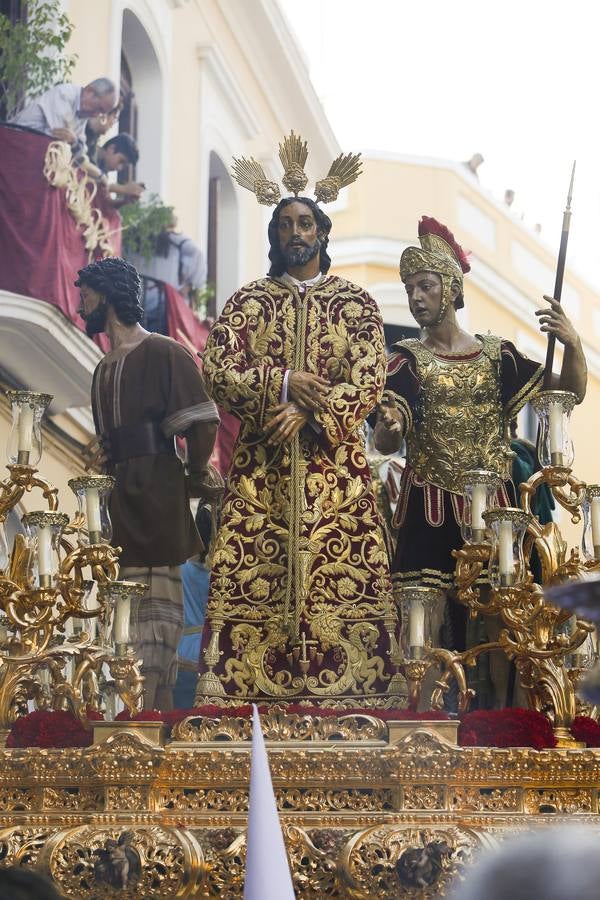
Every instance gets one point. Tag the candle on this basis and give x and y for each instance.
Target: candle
(92, 511)
(89, 602)
(555, 418)
(416, 623)
(3, 632)
(4, 556)
(121, 621)
(478, 504)
(505, 550)
(25, 428)
(110, 704)
(44, 550)
(595, 514)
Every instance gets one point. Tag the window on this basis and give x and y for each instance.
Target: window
(128, 120)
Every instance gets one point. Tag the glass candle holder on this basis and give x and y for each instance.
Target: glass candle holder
(43, 532)
(25, 440)
(4, 551)
(92, 492)
(480, 488)
(4, 625)
(507, 529)
(416, 605)
(118, 596)
(590, 543)
(554, 408)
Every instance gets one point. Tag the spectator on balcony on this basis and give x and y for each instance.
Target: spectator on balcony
(62, 111)
(177, 261)
(97, 126)
(115, 156)
(117, 153)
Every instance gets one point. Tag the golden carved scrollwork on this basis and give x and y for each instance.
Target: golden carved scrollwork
(396, 860)
(361, 820)
(277, 724)
(98, 863)
(224, 851)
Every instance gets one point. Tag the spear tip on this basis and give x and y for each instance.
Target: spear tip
(570, 194)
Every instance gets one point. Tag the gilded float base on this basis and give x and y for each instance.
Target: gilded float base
(367, 812)
(153, 732)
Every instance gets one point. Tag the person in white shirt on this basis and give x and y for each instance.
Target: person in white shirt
(62, 111)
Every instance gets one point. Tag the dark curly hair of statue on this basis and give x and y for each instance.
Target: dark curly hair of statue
(323, 227)
(119, 282)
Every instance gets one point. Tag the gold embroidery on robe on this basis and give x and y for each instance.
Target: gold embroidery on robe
(300, 605)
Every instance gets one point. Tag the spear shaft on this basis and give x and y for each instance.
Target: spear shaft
(558, 283)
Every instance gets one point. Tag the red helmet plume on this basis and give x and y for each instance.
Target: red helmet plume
(429, 225)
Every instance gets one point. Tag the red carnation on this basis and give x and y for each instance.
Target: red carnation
(506, 728)
(586, 729)
(49, 728)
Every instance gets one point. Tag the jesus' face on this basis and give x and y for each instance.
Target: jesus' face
(298, 234)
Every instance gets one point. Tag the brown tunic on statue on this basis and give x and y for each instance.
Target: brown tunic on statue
(155, 380)
(150, 391)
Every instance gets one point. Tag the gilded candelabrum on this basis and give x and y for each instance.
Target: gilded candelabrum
(494, 575)
(426, 671)
(57, 626)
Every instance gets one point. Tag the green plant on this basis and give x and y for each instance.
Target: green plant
(142, 224)
(200, 299)
(32, 53)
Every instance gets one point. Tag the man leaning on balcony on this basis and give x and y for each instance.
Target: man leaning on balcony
(62, 111)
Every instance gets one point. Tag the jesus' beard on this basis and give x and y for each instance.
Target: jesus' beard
(300, 254)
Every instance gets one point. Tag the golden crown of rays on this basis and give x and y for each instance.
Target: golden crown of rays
(293, 152)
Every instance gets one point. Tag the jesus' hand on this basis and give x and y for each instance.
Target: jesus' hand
(288, 419)
(308, 390)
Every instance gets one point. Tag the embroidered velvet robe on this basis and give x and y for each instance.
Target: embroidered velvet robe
(300, 606)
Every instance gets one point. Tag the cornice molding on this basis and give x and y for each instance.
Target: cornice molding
(212, 61)
(263, 33)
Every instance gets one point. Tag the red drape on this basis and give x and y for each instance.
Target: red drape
(41, 250)
(183, 325)
(41, 246)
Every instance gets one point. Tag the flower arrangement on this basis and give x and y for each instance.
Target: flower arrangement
(51, 728)
(506, 728)
(586, 729)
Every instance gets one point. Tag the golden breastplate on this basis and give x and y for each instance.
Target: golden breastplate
(458, 422)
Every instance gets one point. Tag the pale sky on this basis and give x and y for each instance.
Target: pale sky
(515, 80)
